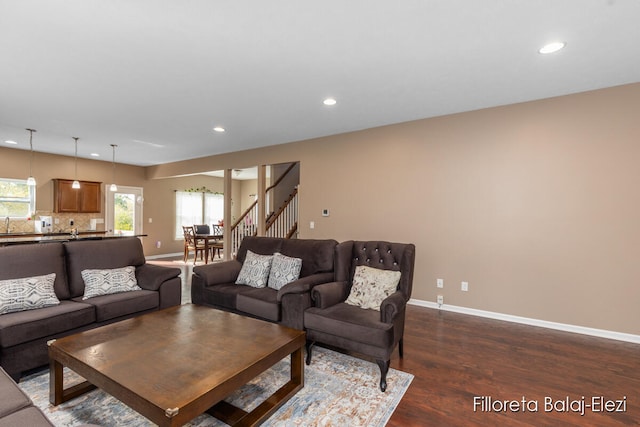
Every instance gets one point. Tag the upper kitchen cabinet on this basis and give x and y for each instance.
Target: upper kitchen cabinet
(86, 199)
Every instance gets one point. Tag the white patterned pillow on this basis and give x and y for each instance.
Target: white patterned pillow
(27, 293)
(284, 270)
(371, 286)
(109, 281)
(255, 270)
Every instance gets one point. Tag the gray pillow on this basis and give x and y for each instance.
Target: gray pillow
(284, 270)
(109, 281)
(27, 293)
(255, 270)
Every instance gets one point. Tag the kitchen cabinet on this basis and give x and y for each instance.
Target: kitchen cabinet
(86, 199)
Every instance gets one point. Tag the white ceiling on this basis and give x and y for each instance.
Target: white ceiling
(155, 76)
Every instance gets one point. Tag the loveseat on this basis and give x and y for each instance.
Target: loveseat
(16, 409)
(215, 284)
(24, 333)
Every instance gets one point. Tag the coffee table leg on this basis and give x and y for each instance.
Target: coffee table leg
(237, 417)
(57, 393)
(55, 382)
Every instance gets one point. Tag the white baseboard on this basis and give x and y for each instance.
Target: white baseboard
(529, 321)
(165, 255)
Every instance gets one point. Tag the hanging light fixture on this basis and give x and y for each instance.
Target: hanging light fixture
(31, 181)
(76, 183)
(114, 187)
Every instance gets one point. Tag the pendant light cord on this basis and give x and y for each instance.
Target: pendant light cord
(31, 131)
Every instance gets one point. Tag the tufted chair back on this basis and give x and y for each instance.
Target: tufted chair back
(377, 254)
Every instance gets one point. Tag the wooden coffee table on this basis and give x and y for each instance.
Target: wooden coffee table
(175, 364)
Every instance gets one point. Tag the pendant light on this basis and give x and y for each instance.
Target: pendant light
(114, 187)
(76, 183)
(31, 181)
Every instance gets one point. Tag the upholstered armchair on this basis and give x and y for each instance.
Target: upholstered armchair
(340, 316)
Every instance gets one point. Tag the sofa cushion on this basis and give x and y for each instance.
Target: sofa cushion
(36, 260)
(30, 416)
(355, 324)
(25, 326)
(317, 255)
(224, 295)
(255, 270)
(259, 245)
(112, 306)
(13, 398)
(28, 293)
(261, 302)
(284, 270)
(371, 286)
(109, 281)
(100, 254)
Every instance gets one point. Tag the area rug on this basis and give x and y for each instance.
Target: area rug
(339, 390)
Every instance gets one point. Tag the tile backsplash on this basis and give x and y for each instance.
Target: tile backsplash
(81, 221)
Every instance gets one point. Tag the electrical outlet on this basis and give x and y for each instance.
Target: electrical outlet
(440, 283)
(464, 286)
(440, 299)
(70, 223)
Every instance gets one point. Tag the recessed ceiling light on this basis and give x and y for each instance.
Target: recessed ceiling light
(329, 101)
(552, 47)
(11, 142)
(94, 155)
(219, 129)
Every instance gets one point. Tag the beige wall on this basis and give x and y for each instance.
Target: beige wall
(536, 205)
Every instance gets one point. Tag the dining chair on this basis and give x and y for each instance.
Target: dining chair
(216, 244)
(191, 244)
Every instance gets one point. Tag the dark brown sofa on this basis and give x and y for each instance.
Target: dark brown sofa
(16, 409)
(214, 284)
(24, 334)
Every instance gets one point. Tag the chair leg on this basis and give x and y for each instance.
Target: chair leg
(309, 346)
(401, 347)
(384, 368)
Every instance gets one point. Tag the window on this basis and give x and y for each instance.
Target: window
(197, 208)
(17, 199)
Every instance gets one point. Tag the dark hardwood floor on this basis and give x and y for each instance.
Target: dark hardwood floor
(458, 359)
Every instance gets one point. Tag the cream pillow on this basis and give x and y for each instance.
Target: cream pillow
(109, 281)
(27, 293)
(371, 286)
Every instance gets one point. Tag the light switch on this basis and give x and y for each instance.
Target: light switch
(312, 225)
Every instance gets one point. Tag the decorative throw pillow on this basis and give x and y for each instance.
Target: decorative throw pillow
(255, 270)
(284, 270)
(109, 281)
(27, 293)
(371, 286)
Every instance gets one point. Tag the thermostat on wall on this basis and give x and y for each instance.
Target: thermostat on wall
(325, 212)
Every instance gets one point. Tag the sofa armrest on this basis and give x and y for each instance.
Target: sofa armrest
(151, 277)
(304, 284)
(329, 294)
(218, 273)
(391, 306)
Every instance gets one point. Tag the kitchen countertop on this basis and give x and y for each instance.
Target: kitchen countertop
(20, 238)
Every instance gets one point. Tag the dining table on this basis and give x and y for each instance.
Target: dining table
(210, 241)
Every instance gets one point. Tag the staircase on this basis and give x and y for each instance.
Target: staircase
(280, 223)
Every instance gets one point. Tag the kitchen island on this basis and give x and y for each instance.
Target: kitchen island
(23, 238)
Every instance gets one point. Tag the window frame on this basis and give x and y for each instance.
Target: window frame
(30, 200)
(200, 217)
